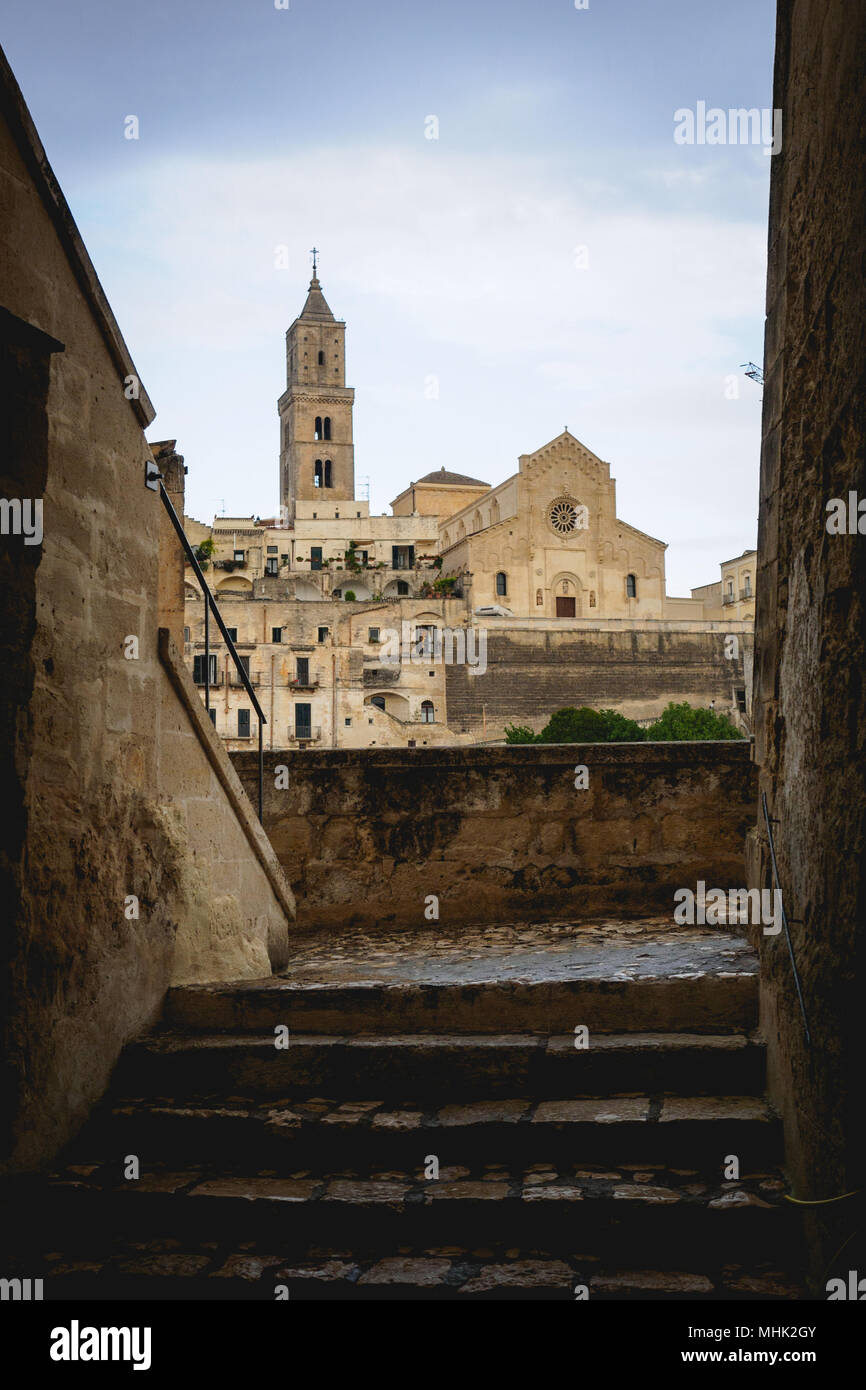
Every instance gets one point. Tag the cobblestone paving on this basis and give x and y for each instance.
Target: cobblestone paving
(606, 947)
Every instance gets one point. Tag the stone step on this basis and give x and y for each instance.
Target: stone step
(628, 1220)
(160, 1270)
(690, 1002)
(432, 1065)
(683, 1131)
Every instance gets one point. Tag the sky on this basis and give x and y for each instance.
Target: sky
(552, 258)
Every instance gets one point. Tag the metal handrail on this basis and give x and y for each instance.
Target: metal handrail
(785, 920)
(210, 604)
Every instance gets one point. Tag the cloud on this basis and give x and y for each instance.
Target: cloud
(462, 266)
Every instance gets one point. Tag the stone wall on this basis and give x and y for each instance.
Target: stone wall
(502, 834)
(109, 876)
(810, 719)
(636, 668)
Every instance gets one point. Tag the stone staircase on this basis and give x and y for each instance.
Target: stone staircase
(431, 1130)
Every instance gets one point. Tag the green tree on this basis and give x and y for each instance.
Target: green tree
(619, 729)
(349, 596)
(570, 725)
(519, 733)
(685, 722)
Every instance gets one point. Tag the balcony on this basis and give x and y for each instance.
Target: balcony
(746, 595)
(305, 733)
(235, 681)
(297, 684)
(728, 599)
(215, 682)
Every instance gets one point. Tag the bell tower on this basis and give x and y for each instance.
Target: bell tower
(317, 455)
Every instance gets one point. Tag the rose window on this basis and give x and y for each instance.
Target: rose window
(563, 516)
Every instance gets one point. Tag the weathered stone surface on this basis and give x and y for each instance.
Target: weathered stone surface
(513, 844)
(250, 1189)
(163, 1266)
(483, 1112)
(739, 1198)
(651, 1281)
(525, 1274)
(601, 1112)
(415, 1273)
(651, 1195)
(398, 1119)
(466, 1191)
(367, 1192)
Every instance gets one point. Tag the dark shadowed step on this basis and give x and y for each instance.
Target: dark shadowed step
(666, 1223)
(698, 1004)
(551, 978)
(441, 1273)
(320, 1134)
(179, 1066)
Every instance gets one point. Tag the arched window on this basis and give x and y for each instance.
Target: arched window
(321, 359)
(501, 584)
(427, 712)
(446, 540)
(631, 586)
(378, 701)
(402, 586)
(476, 522)
(318, 430)
(317, 473)
(327, 427)
(328, 473)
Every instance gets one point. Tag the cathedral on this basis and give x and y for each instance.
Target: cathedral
(569, 599)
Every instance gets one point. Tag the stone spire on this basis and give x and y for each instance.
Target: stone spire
(316, 306)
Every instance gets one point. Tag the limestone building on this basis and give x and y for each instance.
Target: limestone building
(539, 592)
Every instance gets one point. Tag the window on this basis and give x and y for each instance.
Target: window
(317, 473)
(317, 432)
(212, 713)
(321, 359)
(347, 722)
(427, 712)
(741, 699)
(239, 557)
(378, 701)
(328, 482)
(747, 584)
(373, 634)
(243, 723)
(402, 586)
(186, 634)
(276, 634)
(302, 670)
(402, 557)
(272, 565)
(323, 634)
(425, 637)
(272, 550)
(198, 669)
(315, 557)
(233, 633)
(501, 584)
(630, 586)
(327, 427)
(245, 663)
(303, 721)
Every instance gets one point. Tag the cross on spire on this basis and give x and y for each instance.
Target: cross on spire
(314, 253)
